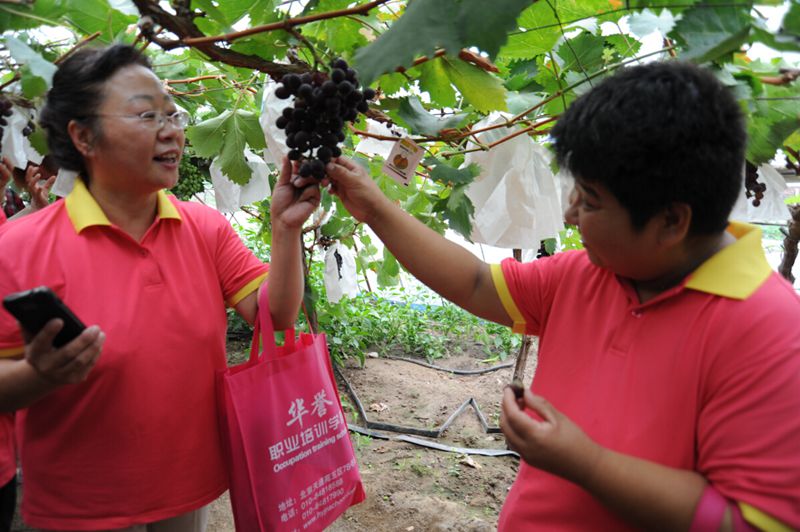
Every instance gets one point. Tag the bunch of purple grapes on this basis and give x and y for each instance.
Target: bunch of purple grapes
(314, 125)
(5, 112)
(753, 188)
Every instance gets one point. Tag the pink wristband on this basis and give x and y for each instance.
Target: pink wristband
(710, 511)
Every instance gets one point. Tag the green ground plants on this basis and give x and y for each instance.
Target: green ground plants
(398, 322)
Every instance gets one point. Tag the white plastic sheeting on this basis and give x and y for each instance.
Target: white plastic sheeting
(16, 146)
(518, 201)
(231, 196)
(271, 109)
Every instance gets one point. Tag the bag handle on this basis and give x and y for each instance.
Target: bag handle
(264, 326)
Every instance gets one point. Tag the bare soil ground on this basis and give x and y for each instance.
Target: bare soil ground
(410, 487)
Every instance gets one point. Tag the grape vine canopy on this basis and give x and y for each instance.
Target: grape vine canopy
(438, 66)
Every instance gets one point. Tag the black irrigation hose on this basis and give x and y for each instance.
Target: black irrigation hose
(430, 433)
(454, 371)
(433, 444)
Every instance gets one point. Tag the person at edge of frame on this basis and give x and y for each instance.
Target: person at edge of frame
(38, 188)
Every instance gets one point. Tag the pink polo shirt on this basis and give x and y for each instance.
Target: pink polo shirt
(704, 377)
(8, 458)
(137, 441)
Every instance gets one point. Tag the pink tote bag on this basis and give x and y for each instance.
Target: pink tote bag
(290, 459)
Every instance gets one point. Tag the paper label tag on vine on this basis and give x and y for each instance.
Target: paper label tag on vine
(403, 160)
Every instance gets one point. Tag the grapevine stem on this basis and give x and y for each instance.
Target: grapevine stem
(286, 24)
(192, 80)
(464, 55)
(80, 44)
(302, 38)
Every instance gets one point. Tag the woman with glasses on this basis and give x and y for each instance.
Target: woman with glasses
(121, 430)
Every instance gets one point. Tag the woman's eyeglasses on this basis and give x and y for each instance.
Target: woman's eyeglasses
(155, 120)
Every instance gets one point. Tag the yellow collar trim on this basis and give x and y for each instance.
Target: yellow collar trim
(84, 211)
(738, 269)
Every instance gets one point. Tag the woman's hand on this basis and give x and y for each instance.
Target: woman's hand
(67, 364)
(295, 198)
(555, 444)
(353, 185)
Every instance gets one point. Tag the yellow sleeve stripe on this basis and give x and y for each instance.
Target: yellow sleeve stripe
(9, 352)
(247, 289)
(505, 297)
(762, 521)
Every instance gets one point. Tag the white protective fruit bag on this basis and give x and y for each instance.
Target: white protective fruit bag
(771, 207)
(231, 196)
(518, 201)
(340, 273)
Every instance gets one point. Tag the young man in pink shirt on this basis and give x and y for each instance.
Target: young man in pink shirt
(666, 394)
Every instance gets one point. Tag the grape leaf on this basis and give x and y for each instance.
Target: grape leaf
(444, 173)
(419, 31)
(421, 121)
(521, 101)
(430, 24)
(623, 44)
(32, 86)
(37, 65)
(583, 53)
(207, 136)
(39, 141)
(487, 27)
(339, 225)
(479, 88)
(458, 210)
(530, 43)
(248, 122)
(236, 9)
(20, 17)
(213, 13)
(433, 80)
(342, 35)
(646, 22)
(770, 124)
(227, 135)
(389, 270)
(90, 16)
(540, 33)
(791, 20)
(391, 83)
(707, 34)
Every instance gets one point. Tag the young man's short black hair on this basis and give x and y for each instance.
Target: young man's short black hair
(656, 134)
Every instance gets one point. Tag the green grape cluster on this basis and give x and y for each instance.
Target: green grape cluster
(191, 180)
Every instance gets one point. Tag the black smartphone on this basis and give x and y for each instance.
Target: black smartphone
(34, 308)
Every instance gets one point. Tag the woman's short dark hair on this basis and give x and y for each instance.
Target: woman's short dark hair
(656, 134)
(76, 94)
